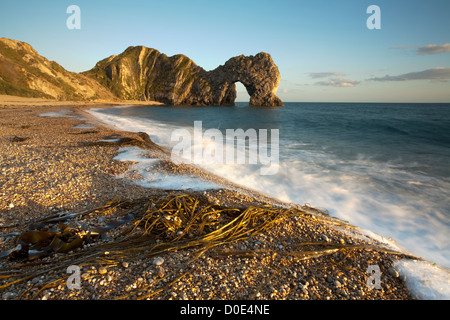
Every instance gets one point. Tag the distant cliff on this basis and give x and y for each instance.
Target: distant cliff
(139, 73)
(23, 72)
(143, 73)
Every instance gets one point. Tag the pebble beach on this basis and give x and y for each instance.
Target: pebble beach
(55, 160)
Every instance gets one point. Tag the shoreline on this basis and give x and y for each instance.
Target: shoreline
(78, 173)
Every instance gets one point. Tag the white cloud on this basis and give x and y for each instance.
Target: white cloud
(436, 74)
(338, 82)
(433, 49)
(316, 75)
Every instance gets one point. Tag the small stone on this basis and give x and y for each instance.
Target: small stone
(158, 261)
(11, 205)
(394, 272)
(337, 284)
(46, 296)
(125, 264)
(102, 270)
(160, 272)
(8, 295)
(324, 238)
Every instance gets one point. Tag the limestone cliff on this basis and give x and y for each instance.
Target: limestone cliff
(139, 73)
(142, 73)
(23, 72)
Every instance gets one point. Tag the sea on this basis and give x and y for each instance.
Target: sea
(383, 167)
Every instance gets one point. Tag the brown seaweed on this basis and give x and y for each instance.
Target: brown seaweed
(154, 226)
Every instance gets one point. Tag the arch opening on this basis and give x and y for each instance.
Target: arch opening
(241, 93)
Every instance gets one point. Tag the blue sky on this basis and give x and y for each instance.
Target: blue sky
(323, 48)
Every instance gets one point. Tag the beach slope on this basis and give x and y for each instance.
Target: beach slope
(59, 173)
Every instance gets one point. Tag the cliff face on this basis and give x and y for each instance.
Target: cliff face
(139, 73)
(23, 72)
(146, 74)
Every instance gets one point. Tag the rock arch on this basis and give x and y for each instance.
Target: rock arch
(142, 73)
(259, 75)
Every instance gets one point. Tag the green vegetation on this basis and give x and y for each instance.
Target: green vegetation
(21, 91)
(16, 72)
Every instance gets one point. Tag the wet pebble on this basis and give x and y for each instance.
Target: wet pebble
(158, 261)
(102, 270)
(160, 272)
(393, 272)
(8, 295)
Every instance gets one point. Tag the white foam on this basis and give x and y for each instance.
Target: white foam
(158, 132)
(109, 140)
(58, 114)
(84, 126)
(61, 114)
(155, 179)
(425, 280)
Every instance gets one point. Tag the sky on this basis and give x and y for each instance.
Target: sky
(323, 48)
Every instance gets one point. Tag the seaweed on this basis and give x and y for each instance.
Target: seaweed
(152, 226)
